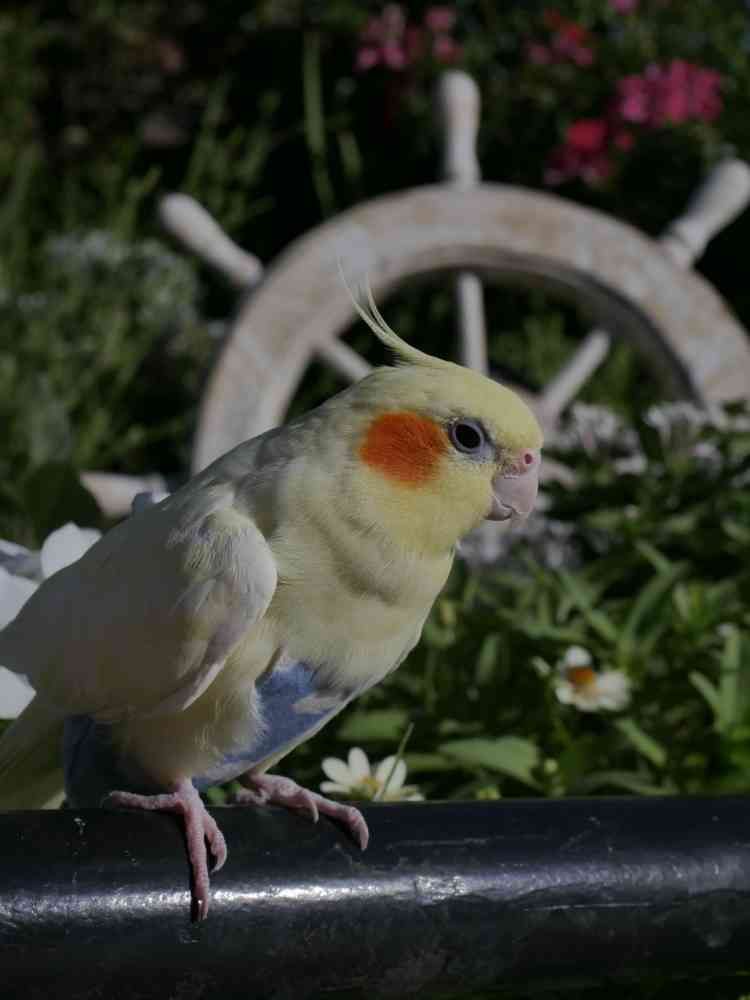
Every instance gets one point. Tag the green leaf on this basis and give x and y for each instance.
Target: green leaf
(216, 795)
(568, 636)
(583, 600)
(509, 755)
(629, 781)
(487, 658)
(734, 681)
(736, 531)
(449, 727)
(427, 762)
(48, 429)
(438, 637)
(646, 602)
(730, 700)
(385, 724)
(643, 743)
(652, 555)
(708, 689)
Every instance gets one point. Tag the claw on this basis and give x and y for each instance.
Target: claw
(274, 789)
(200, 827)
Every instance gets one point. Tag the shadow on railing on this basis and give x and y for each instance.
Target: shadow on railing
(453, 897)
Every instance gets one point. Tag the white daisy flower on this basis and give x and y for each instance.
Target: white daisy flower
(63, 547)
(632, 465)
(576, 656)
(595, 429)
(679, 417)
(356, 780)
(587, 689)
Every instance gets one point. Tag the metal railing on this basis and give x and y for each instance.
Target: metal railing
(452, 897)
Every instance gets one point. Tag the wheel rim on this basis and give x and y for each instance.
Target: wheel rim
(617, 276)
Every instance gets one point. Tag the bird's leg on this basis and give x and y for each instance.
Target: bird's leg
(200, 827)
(273, 789)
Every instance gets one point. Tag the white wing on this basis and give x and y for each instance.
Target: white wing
(143, 623)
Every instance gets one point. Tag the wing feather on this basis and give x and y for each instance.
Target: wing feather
(144, 622)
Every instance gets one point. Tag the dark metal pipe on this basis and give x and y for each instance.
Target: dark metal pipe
(449, 897)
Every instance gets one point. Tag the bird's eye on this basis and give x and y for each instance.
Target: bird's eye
(468, 436)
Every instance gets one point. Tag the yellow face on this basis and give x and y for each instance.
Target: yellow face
(443, 449)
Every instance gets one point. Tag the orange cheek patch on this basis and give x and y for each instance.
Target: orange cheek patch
(404, 446)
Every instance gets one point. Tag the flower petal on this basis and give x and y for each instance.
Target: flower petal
(384, 770)
(613, 690)
(564, 692)
(576, 656)
(15, 694)
(66, 545)
(335, 787)
(337, 771)
(12, 549)
(14, 593)
(584, 704)
(359, 765)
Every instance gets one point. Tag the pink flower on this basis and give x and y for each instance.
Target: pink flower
(670, 97)
(389, 26)
(366, 58)
(584, 154)
(445, 49)
(623, 140)
(587, 135)
(440, 20)
(540, 55)
(689, 91)
(383, 40)
(569, 42)
(624, 6)
(632, 102)
(393, 55)
(387, 40)
(671, 94)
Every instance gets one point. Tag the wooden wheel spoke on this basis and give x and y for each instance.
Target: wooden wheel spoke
(344, 360)
(472, 326)
(566, 385)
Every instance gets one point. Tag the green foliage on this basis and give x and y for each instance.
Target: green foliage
(99, 338)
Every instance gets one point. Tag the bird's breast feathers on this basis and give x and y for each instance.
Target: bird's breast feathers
(290, 703)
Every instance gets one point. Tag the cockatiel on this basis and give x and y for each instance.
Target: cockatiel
(208, 635)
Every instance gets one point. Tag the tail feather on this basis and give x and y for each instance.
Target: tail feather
(31, 774)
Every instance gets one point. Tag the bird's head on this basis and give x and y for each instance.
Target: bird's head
(438, 447)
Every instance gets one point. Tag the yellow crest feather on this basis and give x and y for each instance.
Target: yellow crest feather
(372, 316)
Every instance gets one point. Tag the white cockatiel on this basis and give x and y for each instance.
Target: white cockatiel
(207, 635)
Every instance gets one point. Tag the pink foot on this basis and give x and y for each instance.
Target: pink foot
(273, 789)
(199, 828)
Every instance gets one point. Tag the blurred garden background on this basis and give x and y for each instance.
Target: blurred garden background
(609, 650)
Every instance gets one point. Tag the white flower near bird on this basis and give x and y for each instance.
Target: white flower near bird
(63, 547)
(355, 779)
(587, 689)
(15, 693)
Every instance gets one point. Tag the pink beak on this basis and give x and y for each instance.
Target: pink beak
(514, 491)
